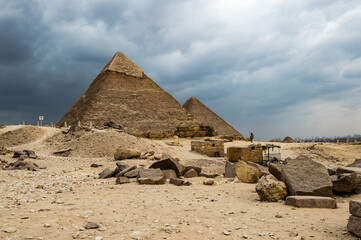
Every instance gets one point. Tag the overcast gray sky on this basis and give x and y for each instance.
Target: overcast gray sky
(274, 68)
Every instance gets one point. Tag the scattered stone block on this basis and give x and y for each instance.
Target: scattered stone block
(345, 182)
(187, 168)
(354, 225)
(23, 165)
(190, 173)
(169, 174)
(151, 173)
(247, 173)
(106, 173)
(121, 154)
(151, 180)
(275, 170)
(128, 169)
(311, 202)
(133, 173)
(341, 170)
(121, 165)
(251, 153)
(169, 163)
(122, 180)
(230, 170)
(179, 182)
(355, 208)
(305, 177)
(270, 189)
(208, 175)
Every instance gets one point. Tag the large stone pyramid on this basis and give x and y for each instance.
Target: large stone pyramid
(122, 93)
(207, 117)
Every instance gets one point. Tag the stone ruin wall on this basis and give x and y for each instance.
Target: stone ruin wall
(208, 148)
(253, 154)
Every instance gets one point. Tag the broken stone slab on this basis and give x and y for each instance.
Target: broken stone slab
(23, 165)
(151, 173)
(355, 208)
(263, 171)
(311, 202)
(270, 189)
(305, 177)
(354, 225)
(275, 170)
(106, 173)
(341, 170)
(345, 182)
(128, 169)
(187, 168)
(191, 173)
(179, 182)
(121, 165)
(151, 180)
(169, 173)
(230, 170)
(247, 173)
(356, 163)
(63, 153)
(169, 163)
(133, 173)
(122, 180)
(208, 175)
(122, 154)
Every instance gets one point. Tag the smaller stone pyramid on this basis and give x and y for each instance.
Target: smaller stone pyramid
(207, 117)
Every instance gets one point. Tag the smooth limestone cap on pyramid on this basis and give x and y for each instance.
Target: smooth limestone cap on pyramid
(122, 93)
(207, 117)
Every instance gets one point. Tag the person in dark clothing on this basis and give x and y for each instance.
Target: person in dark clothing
(251, 137)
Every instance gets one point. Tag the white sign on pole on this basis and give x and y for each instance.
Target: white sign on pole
(41, 118)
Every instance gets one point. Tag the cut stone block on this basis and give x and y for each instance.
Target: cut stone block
(354, 225)
(355, 208)
(311, 202)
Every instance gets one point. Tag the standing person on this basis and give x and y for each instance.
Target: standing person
(251, 137)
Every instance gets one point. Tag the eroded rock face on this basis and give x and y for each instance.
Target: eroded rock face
(355, 208)
(356, 163)
(169, 174)
(270, 189)
(247, 173)
(121, 154)
(305, 177)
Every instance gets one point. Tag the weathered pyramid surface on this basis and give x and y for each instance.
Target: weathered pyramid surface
(207, 117)
(122, 93)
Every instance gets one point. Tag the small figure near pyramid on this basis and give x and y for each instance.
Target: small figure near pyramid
(207, 117)
(123, 94)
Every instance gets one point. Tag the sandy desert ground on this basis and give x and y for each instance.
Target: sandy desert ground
(57, 202)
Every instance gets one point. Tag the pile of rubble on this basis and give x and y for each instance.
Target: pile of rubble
(156, 173)
(305, 182)
(20, 163)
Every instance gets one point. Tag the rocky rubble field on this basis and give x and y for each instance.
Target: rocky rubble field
(66, 199)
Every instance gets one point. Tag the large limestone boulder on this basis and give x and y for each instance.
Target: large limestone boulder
(303, 176)
(122, 153)
(270, 189)
(247, 173)
(263, 171)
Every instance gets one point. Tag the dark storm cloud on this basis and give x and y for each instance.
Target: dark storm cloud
(269, 67)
